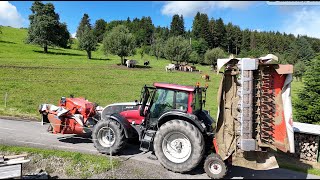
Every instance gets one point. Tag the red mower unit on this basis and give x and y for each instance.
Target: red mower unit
(254, 114)
(71, 116)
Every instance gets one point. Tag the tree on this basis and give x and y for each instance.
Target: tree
(212, 55)
(86, 36)
(157, 47)
(245, 42)
(229, 37)
(177, 49)
(213, 33)
(45, 28)
(253, 41)
(196, 26)
(85, 22)
(307, 108)
(119, 42)
(63, 35)
(304, 50)
(195, 58)
(299, 69)
(200, 46)
(143, 30)
(238, 39)
(205, 33)
(162, 32)
(220, 33)
(200, 28)
(99, 29)
(142, 51)
(177, 25)
(88, 41)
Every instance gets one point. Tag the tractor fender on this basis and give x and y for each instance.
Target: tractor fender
(125, 124)
(183, 116)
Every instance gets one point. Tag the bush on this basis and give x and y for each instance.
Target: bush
(308, 106)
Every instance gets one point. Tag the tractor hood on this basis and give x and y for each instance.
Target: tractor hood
(255, 110)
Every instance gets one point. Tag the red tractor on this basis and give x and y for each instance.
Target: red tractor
(168, 120)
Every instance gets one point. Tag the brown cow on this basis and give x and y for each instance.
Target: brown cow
(206, 77)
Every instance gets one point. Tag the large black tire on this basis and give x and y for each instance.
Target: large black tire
(184, 129)
(116, 141)
(215, 167)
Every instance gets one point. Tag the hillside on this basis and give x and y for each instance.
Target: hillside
(31, 78)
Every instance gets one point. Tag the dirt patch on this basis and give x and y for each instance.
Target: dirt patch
(132, 169)
(56, 167)
(124, 67)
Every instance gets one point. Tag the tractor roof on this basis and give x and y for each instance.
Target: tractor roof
(174, 86)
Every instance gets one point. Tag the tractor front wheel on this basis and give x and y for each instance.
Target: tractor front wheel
(108, 137)
(179, 145)
(215, 167)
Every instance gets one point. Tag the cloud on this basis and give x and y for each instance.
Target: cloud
(190, 8)
(258, 30)
(304, 22)
(9, 16)
(73, 35)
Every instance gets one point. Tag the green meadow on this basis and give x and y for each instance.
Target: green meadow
(28, 77)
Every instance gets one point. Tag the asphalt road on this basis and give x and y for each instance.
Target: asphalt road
(34, 134)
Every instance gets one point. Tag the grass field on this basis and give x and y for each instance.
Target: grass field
(30, 77)
(76, 165)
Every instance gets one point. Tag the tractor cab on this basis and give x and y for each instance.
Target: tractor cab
(165, 99)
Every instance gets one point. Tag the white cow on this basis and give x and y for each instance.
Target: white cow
(131, 63)
(170, 67)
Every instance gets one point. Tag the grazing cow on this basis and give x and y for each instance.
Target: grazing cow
(170, 67)
(206, 77)
(189, 68)
(177, 66)
(131, 63)
(146, 63)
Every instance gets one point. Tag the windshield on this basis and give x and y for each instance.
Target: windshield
(163, 100)
(166, 100)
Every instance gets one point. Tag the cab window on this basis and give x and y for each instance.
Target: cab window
(182, 101)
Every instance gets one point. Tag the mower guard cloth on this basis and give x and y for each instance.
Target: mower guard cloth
(50, 108)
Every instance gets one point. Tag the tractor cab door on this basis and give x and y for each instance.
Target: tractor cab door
(166, 100)
(146, 98)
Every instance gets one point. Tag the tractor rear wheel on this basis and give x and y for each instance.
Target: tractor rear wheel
(108, 137)
(215, 167)
(179, 145)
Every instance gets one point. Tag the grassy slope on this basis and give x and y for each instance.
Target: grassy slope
(31, 77)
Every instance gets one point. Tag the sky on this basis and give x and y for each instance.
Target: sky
(254, 15)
